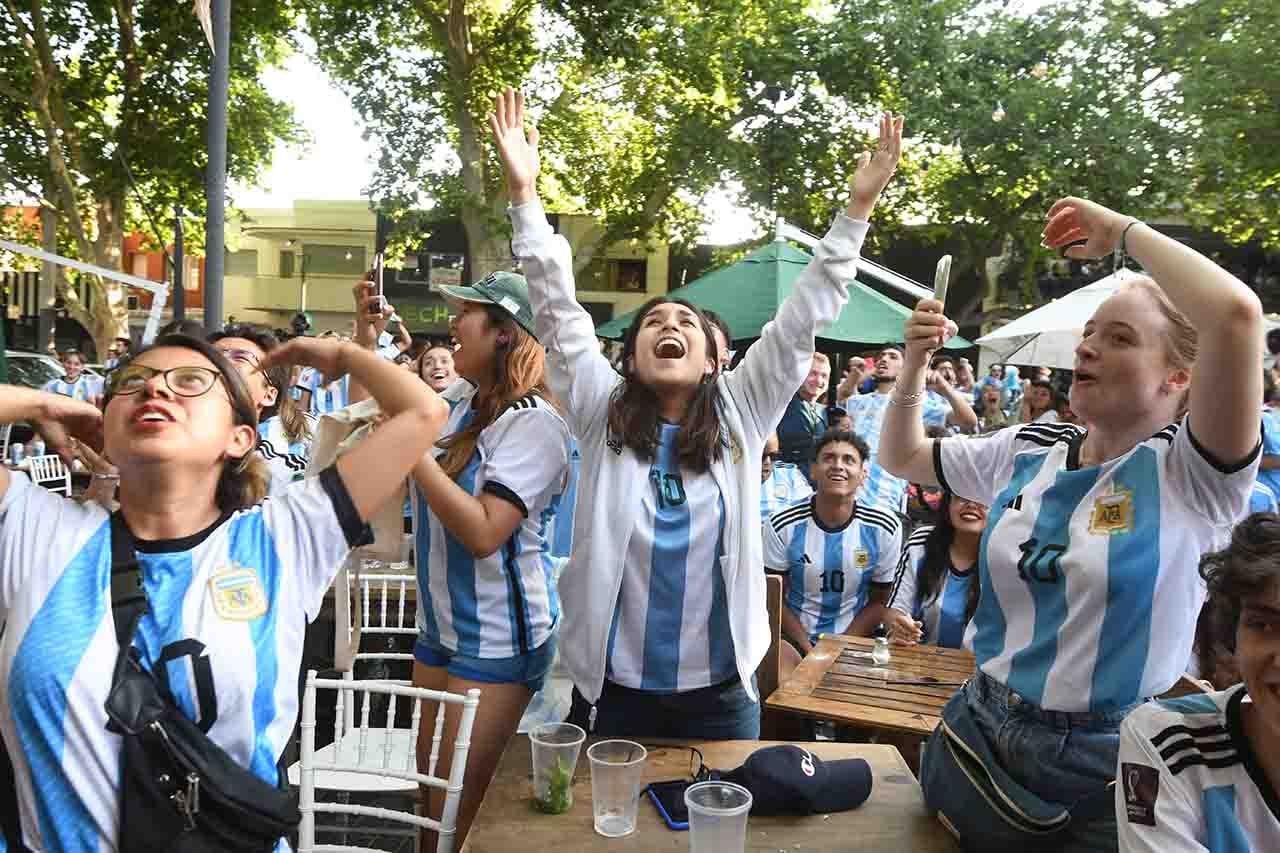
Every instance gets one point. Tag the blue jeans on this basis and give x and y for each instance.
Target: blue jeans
(1059, 756)
(722, 711)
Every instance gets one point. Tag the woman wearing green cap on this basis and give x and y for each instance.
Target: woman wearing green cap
(665, 619)
(483, 504)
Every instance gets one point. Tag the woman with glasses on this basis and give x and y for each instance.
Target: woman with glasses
(231, 581)
(285, 429)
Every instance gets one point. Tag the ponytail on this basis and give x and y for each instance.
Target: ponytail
(243, 483)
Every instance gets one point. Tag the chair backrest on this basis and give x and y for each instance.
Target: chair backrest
(52, 473)
(5, 432)
(767, 673)
(381, 752)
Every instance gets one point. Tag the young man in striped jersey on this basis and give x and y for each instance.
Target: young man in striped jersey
(1201, 773)
(75, 384)
(837, 557)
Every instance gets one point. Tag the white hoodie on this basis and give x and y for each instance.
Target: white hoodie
(612, 477)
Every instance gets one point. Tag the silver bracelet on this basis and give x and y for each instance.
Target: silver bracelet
(100, 476)
(905, 404)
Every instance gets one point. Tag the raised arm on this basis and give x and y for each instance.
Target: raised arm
(369, 326)
(904, 450)
(1226, 383)
(57, 418)
(373, 471)
(774, 366)
(576, 370)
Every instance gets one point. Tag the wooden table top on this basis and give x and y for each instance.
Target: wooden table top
(838, 681)
(893, 819)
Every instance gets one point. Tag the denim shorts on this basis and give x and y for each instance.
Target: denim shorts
(722, 711)
(528, 669)
(1059, 756)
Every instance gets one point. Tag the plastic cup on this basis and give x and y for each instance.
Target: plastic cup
(555, 749)
(617, 769)
(717, 817)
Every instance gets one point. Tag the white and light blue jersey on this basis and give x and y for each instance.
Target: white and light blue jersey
(86, 387)
(562, 530)
(881, 489)
(287, 460)
(1090, 588)
(325, 397)
(1262, 499)
(504, 604)
(943, 614)
(829, 572)
(786, 485)
(670, 630)
(1270, 447)
(1190, 779)
(229, 610)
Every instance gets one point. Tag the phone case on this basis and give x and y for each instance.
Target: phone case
(671, 822)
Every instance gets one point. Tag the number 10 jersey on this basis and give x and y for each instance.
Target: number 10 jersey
(1090, 588)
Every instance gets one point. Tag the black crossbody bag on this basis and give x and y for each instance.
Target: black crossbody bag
(180, 792)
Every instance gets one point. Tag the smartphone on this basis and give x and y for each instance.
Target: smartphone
(940, 278)
(376, 303)
(668, 798)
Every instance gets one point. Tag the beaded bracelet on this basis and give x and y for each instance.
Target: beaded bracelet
(1125, 233)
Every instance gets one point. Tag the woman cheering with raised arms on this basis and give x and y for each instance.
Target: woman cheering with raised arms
(664, 611)
(1088, 562)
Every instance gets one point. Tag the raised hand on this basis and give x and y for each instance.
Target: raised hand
(927, 329)
(875, 169)
(63, 420)
(1075, 220)
(327, 355)
(370, 324)
(517, 147)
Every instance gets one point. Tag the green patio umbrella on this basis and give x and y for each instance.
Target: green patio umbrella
(747, 294)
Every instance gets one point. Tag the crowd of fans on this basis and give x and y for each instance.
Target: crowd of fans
(1051, 521)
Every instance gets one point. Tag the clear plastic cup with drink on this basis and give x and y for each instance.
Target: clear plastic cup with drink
(555, 749)
(717, 817)
(617, 770)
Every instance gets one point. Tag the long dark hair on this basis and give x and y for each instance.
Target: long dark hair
(633, 409)
(244, 481)
(937, 561)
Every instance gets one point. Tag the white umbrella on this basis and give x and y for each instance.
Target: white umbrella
(1048, 336)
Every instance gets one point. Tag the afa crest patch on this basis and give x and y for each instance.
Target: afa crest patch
(861, 558)
(1112, 514)
(237, 594)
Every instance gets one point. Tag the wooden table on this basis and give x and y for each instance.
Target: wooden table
(838, 681)
(893, 819)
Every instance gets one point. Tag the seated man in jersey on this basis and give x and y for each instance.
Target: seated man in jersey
(781, 483)
(1202, 772)
(837, 557)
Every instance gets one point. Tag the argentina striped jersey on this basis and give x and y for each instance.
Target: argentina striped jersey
(670, 630)
(829, 571)
(504, 604)
(84, 388)
(882, 489)
(229, 610)
(785, 486)
(1191, 780)
(1090, 589)
(943, 614)
(287, 460)
(326, 397)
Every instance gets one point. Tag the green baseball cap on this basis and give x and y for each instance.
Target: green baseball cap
(508, 290)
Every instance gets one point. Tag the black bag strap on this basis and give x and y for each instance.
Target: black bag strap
(128, 595)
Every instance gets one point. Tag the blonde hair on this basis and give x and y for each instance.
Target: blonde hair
(1181, 342)
(822, 356)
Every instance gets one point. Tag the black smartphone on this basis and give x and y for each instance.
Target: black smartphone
(376, 303)
(668, 797)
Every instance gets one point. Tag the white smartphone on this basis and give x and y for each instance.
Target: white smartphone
(940, 279)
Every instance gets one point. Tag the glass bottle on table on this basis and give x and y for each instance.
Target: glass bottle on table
(880, 652)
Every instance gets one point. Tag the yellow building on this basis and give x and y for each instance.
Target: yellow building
(305, 258)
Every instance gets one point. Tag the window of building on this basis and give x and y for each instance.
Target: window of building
(244, 263)
(325, 259)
